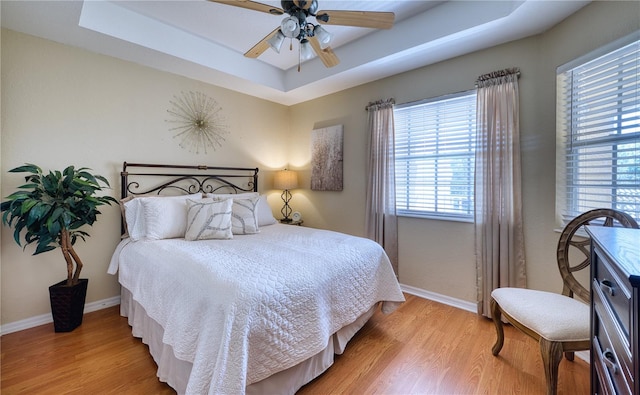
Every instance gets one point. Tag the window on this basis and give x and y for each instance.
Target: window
(435, 148)
(599, 133)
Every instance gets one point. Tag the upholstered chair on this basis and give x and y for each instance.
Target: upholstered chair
(559, 322)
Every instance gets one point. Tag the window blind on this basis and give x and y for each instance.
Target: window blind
(599, 134)
(435, 148)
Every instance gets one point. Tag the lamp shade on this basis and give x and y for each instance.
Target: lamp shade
(324, 37)
(285, 179)
(275, 42)
(306, 52)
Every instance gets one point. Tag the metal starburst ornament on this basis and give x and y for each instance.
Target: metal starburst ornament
(199, 123)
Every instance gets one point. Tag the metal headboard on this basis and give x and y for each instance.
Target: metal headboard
(183, 179)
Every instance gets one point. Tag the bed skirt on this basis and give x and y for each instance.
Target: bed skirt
(176, 372)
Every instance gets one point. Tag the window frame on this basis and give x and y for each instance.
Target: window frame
(573, 136)
(440, 211)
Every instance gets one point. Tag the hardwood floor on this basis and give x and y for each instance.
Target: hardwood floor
(422, 348)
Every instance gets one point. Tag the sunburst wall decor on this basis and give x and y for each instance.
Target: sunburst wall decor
(199, 122)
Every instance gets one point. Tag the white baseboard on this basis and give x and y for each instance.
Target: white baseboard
(47, 318)
(584, 355)
(448, 300)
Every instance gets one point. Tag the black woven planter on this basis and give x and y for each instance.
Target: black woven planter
(67, 304)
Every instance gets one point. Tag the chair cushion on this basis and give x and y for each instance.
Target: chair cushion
(553, 316)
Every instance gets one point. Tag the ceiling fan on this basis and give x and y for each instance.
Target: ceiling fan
(312, 37)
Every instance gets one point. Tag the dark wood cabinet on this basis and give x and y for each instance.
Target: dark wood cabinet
(615, 284)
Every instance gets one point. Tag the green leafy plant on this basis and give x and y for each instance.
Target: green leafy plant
(51, 209)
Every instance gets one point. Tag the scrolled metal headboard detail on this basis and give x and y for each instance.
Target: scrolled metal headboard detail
(185, 179)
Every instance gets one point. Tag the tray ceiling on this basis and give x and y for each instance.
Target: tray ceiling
(206, 41)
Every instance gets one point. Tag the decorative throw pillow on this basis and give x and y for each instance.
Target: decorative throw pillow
(264, 215)
(244, 215)
(208, 219)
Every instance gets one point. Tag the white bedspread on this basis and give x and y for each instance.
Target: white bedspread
(243, 309)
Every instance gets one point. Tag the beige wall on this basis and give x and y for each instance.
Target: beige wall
(437, 255)
(62, 105)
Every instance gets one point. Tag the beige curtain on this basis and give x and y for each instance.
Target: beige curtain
(381, 223)
(499, 241)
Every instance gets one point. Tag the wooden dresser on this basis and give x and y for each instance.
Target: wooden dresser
(615, 276)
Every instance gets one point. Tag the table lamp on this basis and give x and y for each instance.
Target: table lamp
(286, 180)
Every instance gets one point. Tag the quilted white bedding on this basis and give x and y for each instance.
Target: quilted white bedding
(243, 309)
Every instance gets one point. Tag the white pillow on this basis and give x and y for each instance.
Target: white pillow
(208, 219)
(244, 215)
(265, 216)
(164, 218)
(139, 211)
(125, 226)
(134, 218)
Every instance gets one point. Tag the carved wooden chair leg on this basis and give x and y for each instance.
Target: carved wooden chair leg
(551, 357)
(569, 355)
(496, 315)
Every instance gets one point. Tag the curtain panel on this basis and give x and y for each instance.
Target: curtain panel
(381, 224)
(499, 240)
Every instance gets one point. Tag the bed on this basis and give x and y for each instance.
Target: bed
(231, 301)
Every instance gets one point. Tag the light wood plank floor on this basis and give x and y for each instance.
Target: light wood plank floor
(422, 348)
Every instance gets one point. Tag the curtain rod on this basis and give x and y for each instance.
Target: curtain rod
(483, 77)
(498, 74)
(378, 102)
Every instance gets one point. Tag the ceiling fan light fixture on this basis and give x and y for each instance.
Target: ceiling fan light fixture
(324, 37)
(290, 27)
(275, 42)
(313, 40)
(306, 52)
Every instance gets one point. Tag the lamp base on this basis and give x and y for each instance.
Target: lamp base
(286, 210)
(286, 220)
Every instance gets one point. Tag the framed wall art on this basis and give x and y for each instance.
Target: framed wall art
(326, 159)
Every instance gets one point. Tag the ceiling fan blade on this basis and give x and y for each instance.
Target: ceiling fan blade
(251, 5)
(328, 57)
(261, 46)
(376, 20)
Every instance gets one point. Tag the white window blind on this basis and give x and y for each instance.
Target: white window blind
(435, 149)
(599, 134)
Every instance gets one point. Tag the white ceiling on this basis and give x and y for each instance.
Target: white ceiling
(206, 41)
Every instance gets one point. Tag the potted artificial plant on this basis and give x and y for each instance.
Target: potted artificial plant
(51, 209)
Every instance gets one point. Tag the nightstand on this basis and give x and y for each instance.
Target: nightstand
(299, 223)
